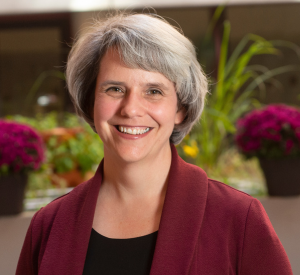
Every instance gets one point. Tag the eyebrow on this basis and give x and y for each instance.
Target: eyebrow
(112, 82)
(149, 84)
(157, 85)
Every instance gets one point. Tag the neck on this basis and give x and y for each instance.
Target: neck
(141, 180)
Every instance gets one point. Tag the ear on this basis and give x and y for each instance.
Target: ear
(180, 115)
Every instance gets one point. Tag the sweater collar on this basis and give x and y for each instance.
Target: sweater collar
(181, 218)
(179, 228)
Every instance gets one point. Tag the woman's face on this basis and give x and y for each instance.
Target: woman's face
(134, 111)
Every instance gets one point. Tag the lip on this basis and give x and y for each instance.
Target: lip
(132, 137)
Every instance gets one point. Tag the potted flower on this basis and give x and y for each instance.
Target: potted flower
(72, 149)
(21, 151)
(273, 135)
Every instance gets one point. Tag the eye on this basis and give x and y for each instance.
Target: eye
(114, 89)
(154, 92)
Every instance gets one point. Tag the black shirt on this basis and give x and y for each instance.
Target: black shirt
(108, 256)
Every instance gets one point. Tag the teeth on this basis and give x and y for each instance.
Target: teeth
(133, 131)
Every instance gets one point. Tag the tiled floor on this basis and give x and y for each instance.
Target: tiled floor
(12, 233)
(284, 214)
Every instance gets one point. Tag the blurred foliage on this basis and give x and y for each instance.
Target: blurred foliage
(233, 93)
(245, 175)
(231, 168)
(81, 149)
(43, 122)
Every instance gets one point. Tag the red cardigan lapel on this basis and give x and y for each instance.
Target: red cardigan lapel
(181, 219)
(69, 238)
(178, 232)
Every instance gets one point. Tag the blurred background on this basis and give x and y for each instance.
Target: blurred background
(250, 50)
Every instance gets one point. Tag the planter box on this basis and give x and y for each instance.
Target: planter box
(72, 178)
(282, 176)
(12, 193)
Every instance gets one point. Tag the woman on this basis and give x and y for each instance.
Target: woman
(136, 80)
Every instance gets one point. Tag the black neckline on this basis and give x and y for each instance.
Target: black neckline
(134, 238)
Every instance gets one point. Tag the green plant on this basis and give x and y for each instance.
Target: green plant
(232, 169)
(232, 94)
(76, 145)
(81, 149)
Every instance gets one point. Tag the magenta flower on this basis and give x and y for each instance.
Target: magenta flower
(21, 148)
(270, 132)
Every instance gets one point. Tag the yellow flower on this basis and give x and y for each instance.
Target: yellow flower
(191, 151)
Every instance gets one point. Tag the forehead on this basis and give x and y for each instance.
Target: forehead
(113, 68)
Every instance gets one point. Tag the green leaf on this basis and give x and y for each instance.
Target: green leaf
(269, 74)
(222, 61)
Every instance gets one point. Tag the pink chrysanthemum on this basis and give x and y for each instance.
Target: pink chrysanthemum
(270, 132)
(21, 148)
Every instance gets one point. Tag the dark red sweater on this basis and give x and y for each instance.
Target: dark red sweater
(206, 228)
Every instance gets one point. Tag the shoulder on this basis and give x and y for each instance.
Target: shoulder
(229, 202)
(222, 202)
(225, 202)
(223, 192)
(240, 218)
(245, 220)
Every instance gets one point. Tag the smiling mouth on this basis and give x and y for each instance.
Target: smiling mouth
(133, 130)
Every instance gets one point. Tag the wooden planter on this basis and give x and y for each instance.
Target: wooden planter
(282, 176)
(72, 178)
(12, 193)
(61, 133)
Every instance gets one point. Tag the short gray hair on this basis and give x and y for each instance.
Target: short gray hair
(146, 42)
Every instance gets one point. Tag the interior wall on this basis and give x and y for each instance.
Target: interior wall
(193, 22)
(279, 21)
(24, 55)
(273, 22)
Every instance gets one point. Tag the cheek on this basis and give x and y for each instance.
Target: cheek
(165, 114)
(103, 110)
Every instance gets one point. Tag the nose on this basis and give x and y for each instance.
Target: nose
(133, 105)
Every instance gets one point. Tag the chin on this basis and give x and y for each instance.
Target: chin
(131, 154)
